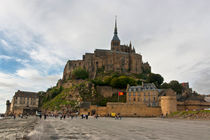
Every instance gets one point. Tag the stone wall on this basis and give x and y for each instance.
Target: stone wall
(192, 105)
(137, 109)
(125, 109)
(168, 104)
(17, 111)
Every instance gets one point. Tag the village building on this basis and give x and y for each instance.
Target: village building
(147, 93)
(23, 102)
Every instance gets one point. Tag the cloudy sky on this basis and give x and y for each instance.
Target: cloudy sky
(37, 38)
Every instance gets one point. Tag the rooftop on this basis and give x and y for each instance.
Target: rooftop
(26, 94)
(145, 86)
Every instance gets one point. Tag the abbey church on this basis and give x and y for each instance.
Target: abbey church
(121, 58)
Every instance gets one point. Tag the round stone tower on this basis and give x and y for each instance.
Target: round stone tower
(168, 105)
(7, 107)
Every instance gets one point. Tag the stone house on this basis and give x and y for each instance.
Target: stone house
(147, 93)
(23, 102)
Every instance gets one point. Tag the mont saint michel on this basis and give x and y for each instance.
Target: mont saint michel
(99, 70)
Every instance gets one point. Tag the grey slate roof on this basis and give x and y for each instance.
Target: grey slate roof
(115, 38)
(145, 86)
(26, 94)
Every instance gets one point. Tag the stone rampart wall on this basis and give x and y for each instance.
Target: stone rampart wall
(137, 109)
(192, 105)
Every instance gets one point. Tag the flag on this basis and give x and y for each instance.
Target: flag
(120, 93)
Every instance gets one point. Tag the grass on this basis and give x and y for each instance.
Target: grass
(186, 113)
(59, 101)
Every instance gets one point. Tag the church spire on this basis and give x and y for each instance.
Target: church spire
(115, 43)
(115, 28)
(115, 37)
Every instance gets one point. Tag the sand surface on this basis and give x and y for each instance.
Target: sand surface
(106, 129)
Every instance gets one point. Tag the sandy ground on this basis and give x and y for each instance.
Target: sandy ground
(11, 129)
(107, 129)
(125, 129)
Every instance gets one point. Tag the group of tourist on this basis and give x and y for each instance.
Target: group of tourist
(118, 117)
(83, 116)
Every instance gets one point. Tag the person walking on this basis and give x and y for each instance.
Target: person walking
(45, 116)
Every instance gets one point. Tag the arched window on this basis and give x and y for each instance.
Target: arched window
(134, 99)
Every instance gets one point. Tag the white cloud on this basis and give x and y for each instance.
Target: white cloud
(4, 43)
(24, 79)
(5, 57)
(27, 73)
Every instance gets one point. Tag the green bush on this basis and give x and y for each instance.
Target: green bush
(122, 82)
(107, 80)
(98, 82)
(80, 73)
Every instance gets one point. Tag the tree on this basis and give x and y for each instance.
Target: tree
(176, 86)
(157, 79)
(79, 73)
(142, 76)
(165, 86)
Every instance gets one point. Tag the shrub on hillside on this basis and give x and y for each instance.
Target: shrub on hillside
(122, 82)
(107, 80)
(80, 73)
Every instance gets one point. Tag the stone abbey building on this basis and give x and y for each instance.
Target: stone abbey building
(121, 58)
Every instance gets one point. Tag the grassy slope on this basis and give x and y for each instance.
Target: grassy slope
(202, 114)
